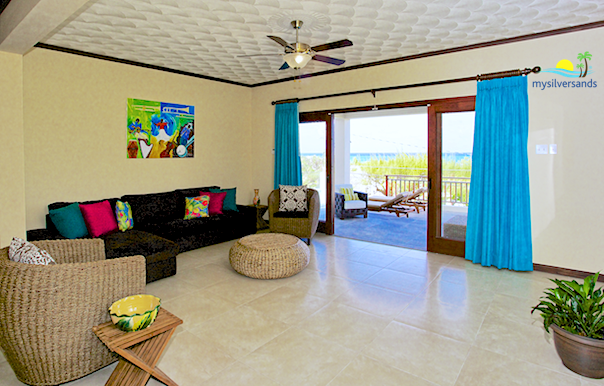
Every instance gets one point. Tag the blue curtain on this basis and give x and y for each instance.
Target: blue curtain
(288, 168)
(499, 218)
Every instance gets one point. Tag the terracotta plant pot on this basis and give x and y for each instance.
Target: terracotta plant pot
(584, 356)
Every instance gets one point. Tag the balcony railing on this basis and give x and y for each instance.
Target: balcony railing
(455, 190)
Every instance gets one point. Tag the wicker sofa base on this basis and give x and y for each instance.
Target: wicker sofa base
(269, 256)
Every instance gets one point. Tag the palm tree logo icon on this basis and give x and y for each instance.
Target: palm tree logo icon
(583, 56)
(566, 68)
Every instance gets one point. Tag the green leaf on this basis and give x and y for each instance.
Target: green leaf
(577, 308)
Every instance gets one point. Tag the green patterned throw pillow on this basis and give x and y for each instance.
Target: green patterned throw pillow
(349, 194)
(196, 207)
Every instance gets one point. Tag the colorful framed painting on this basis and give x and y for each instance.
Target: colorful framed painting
(160, 130)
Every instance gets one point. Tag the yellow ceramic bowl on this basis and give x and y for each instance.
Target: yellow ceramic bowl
(134, 313)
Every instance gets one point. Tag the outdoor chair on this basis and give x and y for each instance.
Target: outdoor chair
(300, 224)
(391, 205)
(414, 199)
(350, 208)
(47, 311)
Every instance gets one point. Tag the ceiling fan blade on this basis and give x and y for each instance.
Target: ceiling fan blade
(332, 45)
(329, 60)
(280, 41)
(285, 66)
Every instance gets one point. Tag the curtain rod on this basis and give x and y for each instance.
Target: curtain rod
(478, 78)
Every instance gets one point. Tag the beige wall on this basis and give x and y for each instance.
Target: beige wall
(73, 113)
(565, 189)
(75, 132)
(12, 185)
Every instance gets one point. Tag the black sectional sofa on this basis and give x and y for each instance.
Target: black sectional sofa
(160, 231)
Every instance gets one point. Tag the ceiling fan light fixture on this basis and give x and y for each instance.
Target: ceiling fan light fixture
(297, 59)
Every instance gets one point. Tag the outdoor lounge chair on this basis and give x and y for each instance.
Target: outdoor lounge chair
(402, 203)
(391, 205)
(414, 200)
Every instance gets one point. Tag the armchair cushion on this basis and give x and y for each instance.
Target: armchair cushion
(355, 204)
(293, 198)
(22, 251)
(349, 194)
(291, 214)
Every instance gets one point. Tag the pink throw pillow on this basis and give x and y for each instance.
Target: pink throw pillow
(216, 201)
(99, 218)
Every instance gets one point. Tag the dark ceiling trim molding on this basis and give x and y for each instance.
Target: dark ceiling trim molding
(538, 35)
(133, 63)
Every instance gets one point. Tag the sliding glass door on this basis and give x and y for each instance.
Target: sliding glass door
(316, 155)
(451, 134)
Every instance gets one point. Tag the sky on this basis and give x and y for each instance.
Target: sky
(393, 134)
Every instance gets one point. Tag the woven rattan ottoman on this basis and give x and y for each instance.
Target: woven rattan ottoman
(269, 256)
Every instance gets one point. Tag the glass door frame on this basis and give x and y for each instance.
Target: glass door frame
(326, 226)
(437, 243)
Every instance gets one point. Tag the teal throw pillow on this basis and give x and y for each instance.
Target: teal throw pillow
(230, 200)
(69, 221)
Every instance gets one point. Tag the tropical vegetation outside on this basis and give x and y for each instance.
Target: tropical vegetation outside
(371, 173)
(393, 146)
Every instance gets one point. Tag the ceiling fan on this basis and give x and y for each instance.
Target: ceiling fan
(297, 55)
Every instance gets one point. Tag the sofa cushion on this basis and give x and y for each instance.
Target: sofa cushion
(99, 218)
(135, 242)
(194, 192)
(69, 221)
(216, 202)
(123, 215)
(196, 207)
(175, 229)
(230, 201)
(155, 207)
(61, 204)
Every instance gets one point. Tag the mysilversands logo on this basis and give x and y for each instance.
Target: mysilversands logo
(566, 68)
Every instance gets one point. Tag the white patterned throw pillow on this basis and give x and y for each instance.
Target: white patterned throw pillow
(22, 251)
(293, 198)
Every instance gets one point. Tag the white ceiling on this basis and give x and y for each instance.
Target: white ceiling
(205, 37)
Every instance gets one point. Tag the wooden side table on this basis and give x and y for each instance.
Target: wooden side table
(260, 211)
(139, 350)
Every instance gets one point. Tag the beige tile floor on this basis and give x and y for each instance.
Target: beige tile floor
(360, 314)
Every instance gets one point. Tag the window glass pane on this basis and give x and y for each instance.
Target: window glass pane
(457, 142)
(312, 155)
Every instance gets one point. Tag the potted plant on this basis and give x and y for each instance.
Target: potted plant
(575, 312)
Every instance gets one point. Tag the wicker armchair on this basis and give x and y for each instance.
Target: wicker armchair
(47, 312)
(292, 223)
